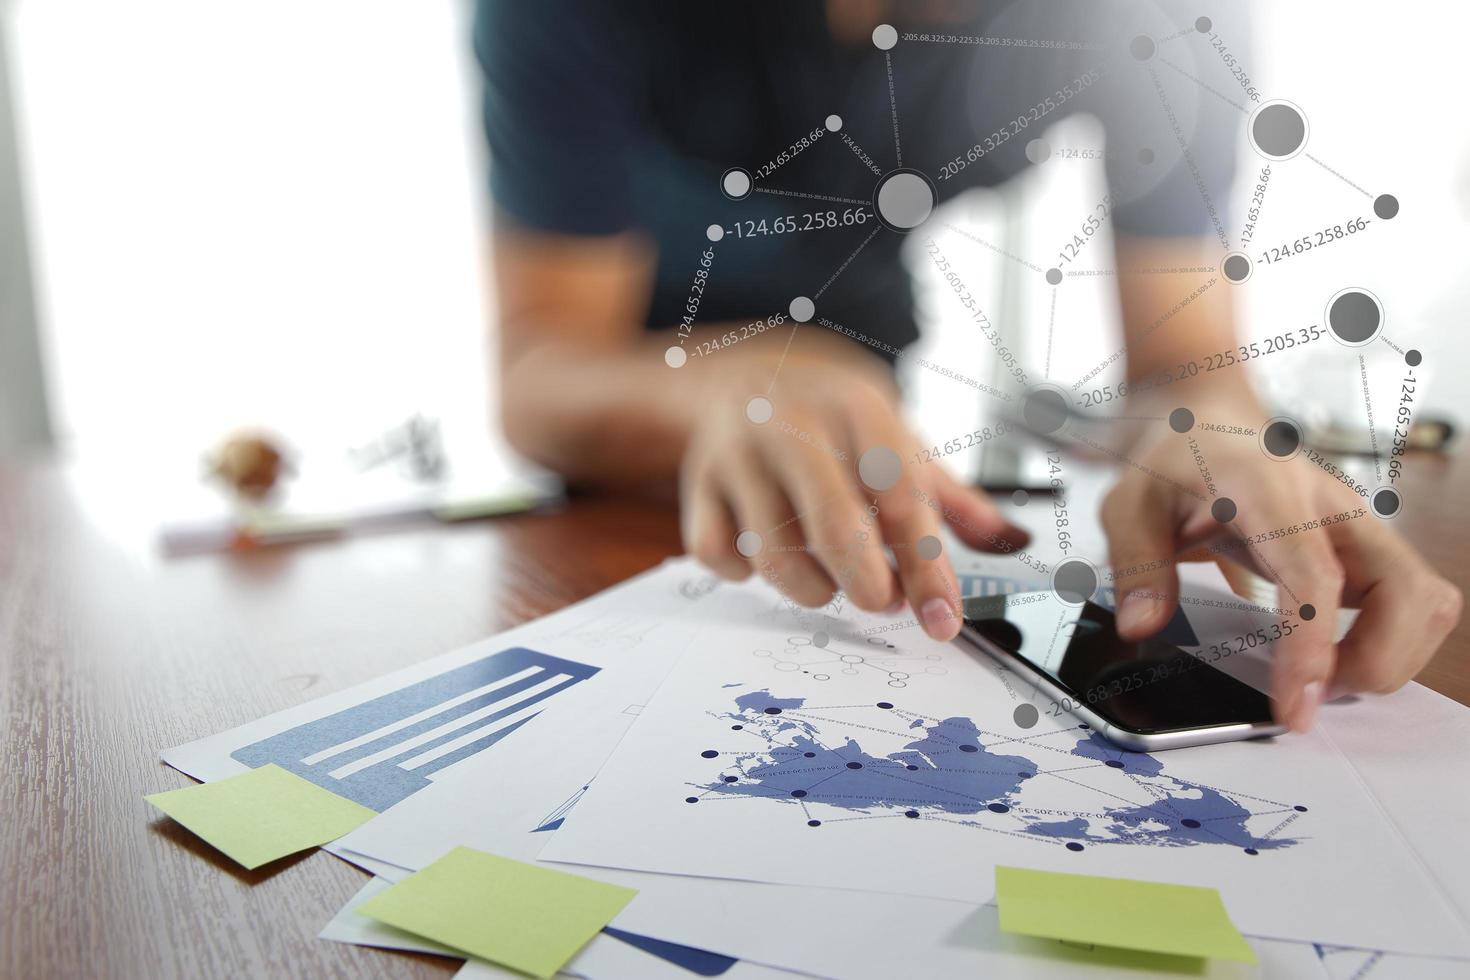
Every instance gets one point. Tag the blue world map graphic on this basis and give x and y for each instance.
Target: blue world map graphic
(950, 769)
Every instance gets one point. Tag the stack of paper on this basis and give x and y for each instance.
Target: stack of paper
(788, 790)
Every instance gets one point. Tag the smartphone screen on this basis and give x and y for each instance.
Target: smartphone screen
(1150, 687)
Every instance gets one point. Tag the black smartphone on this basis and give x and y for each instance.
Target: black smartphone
(1144, 696)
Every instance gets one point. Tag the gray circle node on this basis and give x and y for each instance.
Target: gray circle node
(1413, 358)
(1386, 206)
(1203, 24)
(928, 547)
(1181, 420)
(1278, 130)
(1354, 317)
(1145, 156)
(759, 410)
(1054, 276)
(884, 37)
(1045, 410)
(880, 469)
(820, 639)
(802, 309)
(1223, 510)
(1142, 47)
(1038, 150)
(1020, 497)
(675, 357)
(1026, 715)
(714, 233)
(748, 543)
(904, 200)
(1074, 581)
(1236, 267)
(833, 123)
(1281, 438)
(1386, 502)
(736, 183)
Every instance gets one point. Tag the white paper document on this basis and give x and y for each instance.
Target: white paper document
(382, 741)
(837, 775)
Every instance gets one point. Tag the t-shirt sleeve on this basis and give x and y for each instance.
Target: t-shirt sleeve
(561, 112)
(1187, 115)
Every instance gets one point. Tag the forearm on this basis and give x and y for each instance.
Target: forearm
(621, 415)
(1173, 318)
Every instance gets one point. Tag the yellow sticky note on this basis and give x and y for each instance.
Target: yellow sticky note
(1179, 919)
(519, 915)
(261, 815)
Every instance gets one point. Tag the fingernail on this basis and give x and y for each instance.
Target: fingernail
(939, 621)
(1133, 612)
(1307, 705)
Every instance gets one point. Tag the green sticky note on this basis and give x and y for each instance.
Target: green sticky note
(519, 915)
(1182, 920)
(261, 815)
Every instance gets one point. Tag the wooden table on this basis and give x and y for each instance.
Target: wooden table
(110, 652)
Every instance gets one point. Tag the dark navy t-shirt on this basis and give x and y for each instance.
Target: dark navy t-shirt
(604, 117)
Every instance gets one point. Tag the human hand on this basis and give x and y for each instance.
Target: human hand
(1293, 523)
(820, 518)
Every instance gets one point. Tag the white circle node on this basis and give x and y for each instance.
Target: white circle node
(834, 123)
(749, 543)
(884, 37)
(759, 410)
(802, 309)
(736, 183)
(675, 357)
(714, 233)
(905, 200)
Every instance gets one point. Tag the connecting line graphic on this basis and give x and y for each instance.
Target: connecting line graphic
(893, 107)
(1051, 323)
(1188, 154)
(846, 262)
(904, 200)
(814, 197)
(1372, 428)
(1337, 175)
(1208, 88)
(994, 248)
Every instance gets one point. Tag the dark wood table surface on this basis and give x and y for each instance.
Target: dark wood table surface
(110, 652)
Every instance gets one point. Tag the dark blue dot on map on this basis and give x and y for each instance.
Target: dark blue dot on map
(1114, 763)
(773, 711)
(1073, 846)
(911, 814)
(912, 768)
(814, 823)
(736, 728)
(1252, 851)
(1300, 809)
(999, 808)
(854, 765)
(810, 755)
(798, 793)
(731, 779)
(691, 799)
(709, 753)
(1190, 822)
(885, 704)
(1084, 725)
(1025, 775)
(969, 748)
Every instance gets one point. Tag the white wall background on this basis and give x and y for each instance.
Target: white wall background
(265, 211)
